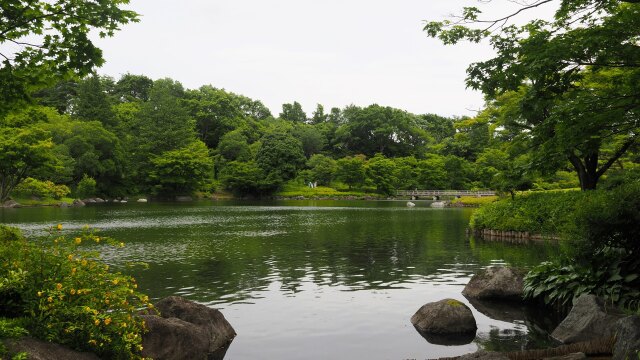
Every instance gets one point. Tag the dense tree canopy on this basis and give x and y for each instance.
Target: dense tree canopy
(49, 40)
(576, 76)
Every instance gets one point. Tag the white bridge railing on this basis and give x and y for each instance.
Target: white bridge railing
(445, 193)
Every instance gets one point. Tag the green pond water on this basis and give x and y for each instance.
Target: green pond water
(311, 279)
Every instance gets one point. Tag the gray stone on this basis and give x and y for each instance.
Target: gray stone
(99, 200)
(627, 344)
(194, 331)
(89, 201)
(574, 356)
(496, 282)
(42, 350)
(446, 316)
(63, 205)
(184, 198)
(142, 200)
(78, 203)
(587, 320)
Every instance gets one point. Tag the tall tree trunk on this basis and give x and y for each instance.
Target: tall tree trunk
(587, 169)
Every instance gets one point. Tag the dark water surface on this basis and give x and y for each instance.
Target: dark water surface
(309, 279)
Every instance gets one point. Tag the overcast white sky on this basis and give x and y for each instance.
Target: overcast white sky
(333, 52)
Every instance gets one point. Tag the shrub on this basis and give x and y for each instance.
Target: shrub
(603, 258)
(86, 187)
(43, 189)
(68, 296)
(543, 212)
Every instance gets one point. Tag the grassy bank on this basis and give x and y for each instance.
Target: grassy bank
(473, 201)
(297, 190)
(535, 212)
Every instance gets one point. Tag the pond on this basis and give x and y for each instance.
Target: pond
(310, 279)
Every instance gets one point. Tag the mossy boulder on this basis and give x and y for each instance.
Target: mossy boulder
(448, 316)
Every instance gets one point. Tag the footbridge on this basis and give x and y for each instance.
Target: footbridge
(438, 193)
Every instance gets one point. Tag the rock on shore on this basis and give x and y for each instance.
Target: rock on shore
(496, 282)
(588, 319)
(186, 330)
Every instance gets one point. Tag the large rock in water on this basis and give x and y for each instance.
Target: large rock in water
(496, 282)
(627, 338)
(446, 316)
(42, 350)
(587, 320)
(186, 330)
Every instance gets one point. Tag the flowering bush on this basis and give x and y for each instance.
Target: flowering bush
(66, 295)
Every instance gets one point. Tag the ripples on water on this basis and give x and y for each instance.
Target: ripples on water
(330, 281)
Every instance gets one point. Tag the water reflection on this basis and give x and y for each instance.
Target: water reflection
(341, 278)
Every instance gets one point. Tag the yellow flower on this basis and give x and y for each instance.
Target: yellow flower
(121, 244)
(50, 299)
(97, 239)
(70, 257)
(92, 342)
(73, 270)
(107, 321)
(87, 309)
(84, 263)
(115, 281)
(77, 240)
(106, 301)
(135, 286)
(97, 322)
(39, 293)
(59, 227)
(124, 325)
(58, 286)
(73, 291)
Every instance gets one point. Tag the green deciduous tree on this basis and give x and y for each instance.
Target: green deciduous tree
(351, 170)
(234, 146)
(92, 101)
(163, 123)
(45, 41)
(293, 112)
(385, 130)
(577, 77)
(322, 169)
(280, 156)
(318, 115)
(22, 151)
(245, 178)
(181, 171)
(312, 139)
(132, 88)
(380, 170)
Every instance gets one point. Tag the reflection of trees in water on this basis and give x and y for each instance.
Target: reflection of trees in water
(357, 249)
